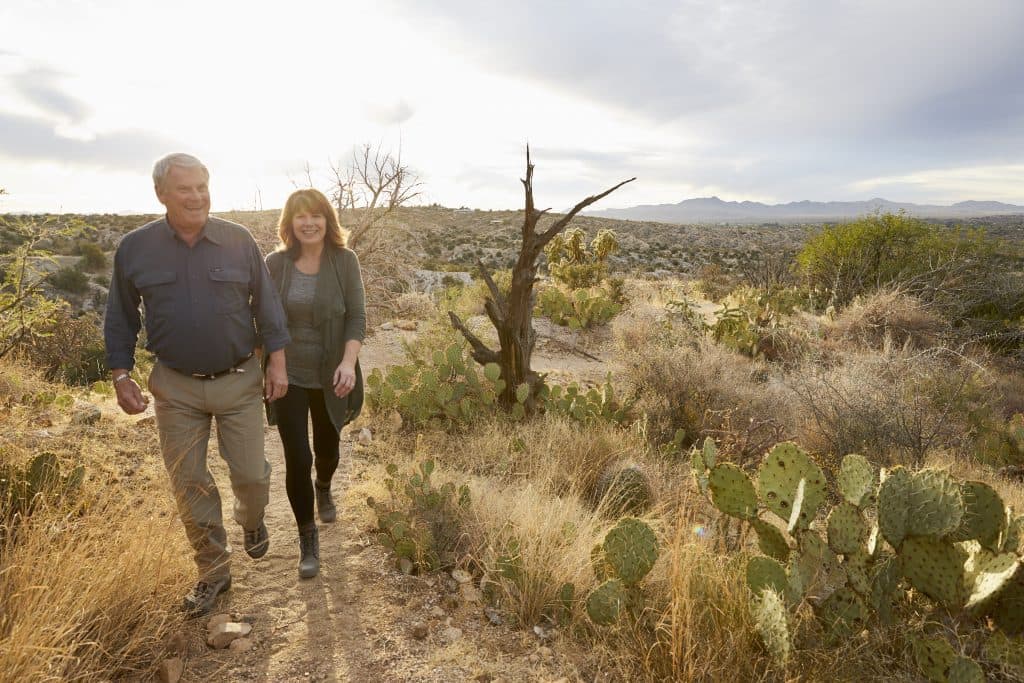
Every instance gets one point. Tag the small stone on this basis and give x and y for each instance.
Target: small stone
(534, 658)
(461, 576)
(177, 643)
(418, 630)
(86, 414)
(407, 325)
(171, 670)
(395, 421)
(436, 611)
(240, 645)
(387, 326)
(449, 601)
(451, 634)
(471, 594)
(541, 632)
(494, 616)
(450, 584)
(545, 652)
(218, 619)
(365, 436)
(223, 634)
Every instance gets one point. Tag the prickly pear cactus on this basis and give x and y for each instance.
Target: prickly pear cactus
(844, 613)
(965, 670)
(935, 505)
(984, 516)
(771, 619)
(624, 490)
(1006, 653)
(780, 474)
(893, 505)
(700, 471)
(764, 572)
(885, 587)
(993, 575)
(847, 529)
(935, 568)
(770, 540)
(934, 657)
(631, 549)
(857, 566)
(732, 492)
(857, 480)
(1009, 610)
(606, 602)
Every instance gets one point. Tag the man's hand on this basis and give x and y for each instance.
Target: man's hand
(275, 383)
(344, 379)
(129, 395)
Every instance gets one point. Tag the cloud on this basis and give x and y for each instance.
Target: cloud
(40, 87)
(392, 113)
(30, 139)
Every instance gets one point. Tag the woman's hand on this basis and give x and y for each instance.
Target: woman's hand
(344, 379)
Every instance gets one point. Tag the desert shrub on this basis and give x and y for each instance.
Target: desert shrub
(573, 265)
(70, 280)
(968, 275)
(897, 405)
(713, 282)
(706, 390)
(890, 317)
(580, 309)
(69, 349)
(93, 257)
(415, 305)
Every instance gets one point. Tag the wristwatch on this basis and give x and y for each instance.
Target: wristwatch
(123, 376)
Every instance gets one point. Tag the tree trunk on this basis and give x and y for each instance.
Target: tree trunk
(512, 317)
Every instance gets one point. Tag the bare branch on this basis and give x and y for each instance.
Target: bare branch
(560, 224)
(481, 353)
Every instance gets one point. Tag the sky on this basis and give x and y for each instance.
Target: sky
(763, 100)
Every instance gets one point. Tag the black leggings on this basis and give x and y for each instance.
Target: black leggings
(293, 412)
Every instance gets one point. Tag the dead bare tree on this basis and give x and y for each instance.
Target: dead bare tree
(371, 186)
(512, 315)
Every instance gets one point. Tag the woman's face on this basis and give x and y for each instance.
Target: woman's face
(309, 226)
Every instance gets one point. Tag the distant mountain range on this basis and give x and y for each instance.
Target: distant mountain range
(715, 210)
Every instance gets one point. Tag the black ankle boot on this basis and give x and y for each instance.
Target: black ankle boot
(309, 552)
(324, 502)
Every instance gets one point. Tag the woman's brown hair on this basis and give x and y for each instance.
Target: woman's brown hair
(312, 201)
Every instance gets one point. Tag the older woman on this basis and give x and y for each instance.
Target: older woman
(322, 292)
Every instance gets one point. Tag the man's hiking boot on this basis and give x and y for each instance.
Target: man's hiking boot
(203, 595)
(257, 541)
(325, 503)
(309, 553)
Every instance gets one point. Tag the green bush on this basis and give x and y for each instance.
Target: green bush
(70, 280)
(93, 257)
(69, 350)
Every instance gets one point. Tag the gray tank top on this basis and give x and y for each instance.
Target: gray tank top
(304, 354)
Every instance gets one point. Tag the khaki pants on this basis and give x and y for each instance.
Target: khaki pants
(184, 406)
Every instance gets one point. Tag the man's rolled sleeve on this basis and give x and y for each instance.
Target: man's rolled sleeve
(122, 322)
(271, 323)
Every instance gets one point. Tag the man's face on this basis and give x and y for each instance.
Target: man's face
(186, 194)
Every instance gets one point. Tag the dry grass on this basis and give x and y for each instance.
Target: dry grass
(89, 585)
(890, 318)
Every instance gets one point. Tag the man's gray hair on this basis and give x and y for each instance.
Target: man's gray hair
(163, 166)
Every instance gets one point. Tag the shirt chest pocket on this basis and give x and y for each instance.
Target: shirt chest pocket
(230, 289)
(157, 290)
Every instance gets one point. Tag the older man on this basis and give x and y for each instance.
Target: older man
(205, 290)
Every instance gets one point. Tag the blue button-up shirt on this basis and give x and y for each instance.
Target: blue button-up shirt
(205, 305)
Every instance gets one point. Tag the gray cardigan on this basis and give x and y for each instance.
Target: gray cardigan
(339, 311)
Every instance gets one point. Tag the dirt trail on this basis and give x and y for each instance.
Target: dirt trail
(354, 622)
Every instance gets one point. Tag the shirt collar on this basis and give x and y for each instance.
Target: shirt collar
(209, 232)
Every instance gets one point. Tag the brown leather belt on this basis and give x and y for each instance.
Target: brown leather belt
(236, 368)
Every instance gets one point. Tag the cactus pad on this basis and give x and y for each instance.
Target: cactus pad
(780, 474)
(885, 584)
(764, 572)
(993, 575)
(934, 657)
(965, 670)
(846, 529)
(770, 540)
(857, 480)
(893, 496)
(710, 452)
(700, 471)
(632, 549)
(812, 567)
(606, 602)
(1009, 540)
(771, 619)
(935, 505)
(984, 515)
(857, 566)
(602, 569)
(936, 568)
(732, 492)
(844, 613)
(1009, 609)
(1007, 652)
